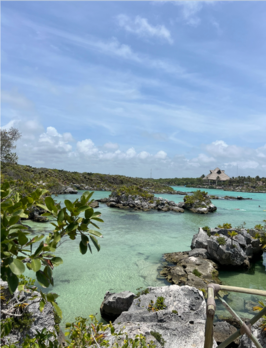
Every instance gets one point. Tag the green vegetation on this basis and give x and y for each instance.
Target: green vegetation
(8, 137)
(142, 292)
(158, 305)
(158, 337)
(19, 248)
(221, 240)
(28, 178)
(133, 191)
(207, 230)
(226, 226)
(196, 199)
(197, 273)
(174, 311)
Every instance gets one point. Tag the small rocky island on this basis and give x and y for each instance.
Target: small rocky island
(136, 198)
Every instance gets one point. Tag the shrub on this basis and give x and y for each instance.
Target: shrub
(197, 273)
(226, 226)
(159, 305)
(142, 292)
(158, 337)
(221, 240)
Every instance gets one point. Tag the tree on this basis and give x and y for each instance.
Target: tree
(8, 139)
(19, 248)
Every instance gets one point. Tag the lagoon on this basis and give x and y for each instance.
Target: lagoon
(133, 246)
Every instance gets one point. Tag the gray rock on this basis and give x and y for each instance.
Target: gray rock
(44, 319)
(222, 330)
(116, 303)
(245, 342)
(199, 252)
(70, 190)
(199, 240)
(180, 324)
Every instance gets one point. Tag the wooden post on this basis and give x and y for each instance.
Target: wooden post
(209, 322)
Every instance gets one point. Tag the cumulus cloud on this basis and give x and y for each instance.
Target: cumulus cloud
(111, 146)
(143, 28)
(161, 154)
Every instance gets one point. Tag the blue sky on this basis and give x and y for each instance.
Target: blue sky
(126, 87)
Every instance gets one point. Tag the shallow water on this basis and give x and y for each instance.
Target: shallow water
(133, 246)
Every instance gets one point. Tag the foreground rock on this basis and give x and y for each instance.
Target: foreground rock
(227, 248)
(116, 303)
(191, 268)
(199, 202)
(41, 320)
(139, 199)
(181, 323)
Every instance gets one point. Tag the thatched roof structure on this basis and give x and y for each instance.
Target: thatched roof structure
(217, 174)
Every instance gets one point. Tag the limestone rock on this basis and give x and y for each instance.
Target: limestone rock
(245, 342)
(180, 324)
(116, 303)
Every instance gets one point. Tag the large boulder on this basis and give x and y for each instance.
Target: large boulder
(70, 190)
(181, 323)
(199, 240)
(116, 303)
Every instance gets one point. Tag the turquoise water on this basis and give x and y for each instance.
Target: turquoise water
(133, 246)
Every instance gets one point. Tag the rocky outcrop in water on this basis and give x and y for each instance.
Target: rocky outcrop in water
(190, 268)
(178, 322)
(138, 202)
(229, 247)
(199, 202)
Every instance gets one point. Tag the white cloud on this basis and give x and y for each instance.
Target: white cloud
(111, 146)
(190, 10)
(87, 147)
(144, 155)
(143, 28)
(161, 155)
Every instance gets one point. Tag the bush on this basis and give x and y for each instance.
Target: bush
(221, 240)
(197, 273)
(159, 305)
(226, 226)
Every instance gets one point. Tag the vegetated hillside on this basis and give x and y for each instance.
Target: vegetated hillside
(240, 183)
(54, 179)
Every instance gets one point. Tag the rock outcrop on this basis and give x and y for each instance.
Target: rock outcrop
(245, 342)
(227, 249)
(116, 303)
(180, 322)
(41, 320)
(138, 202)
(190, 268)
(199, 202)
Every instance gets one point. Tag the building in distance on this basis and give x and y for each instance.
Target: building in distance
(217, 175)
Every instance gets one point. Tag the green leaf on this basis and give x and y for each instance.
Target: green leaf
(42, 279)
(96, 218)
(68, 325)
(51, 296)
(17, 267)
(95, 242)
(56, 261)
(22, 238)
(49, 203)
(61, 215)
(83, 248)
(13, 281)
(38, 250)
(84, 239)
(57, 309)
(13, 220)
(36, 265)
(21, 287)
(42, 304)
(96, 233)
(72, 226)
(81, 209)
(69, 205)
(42, 206)
(89, 212)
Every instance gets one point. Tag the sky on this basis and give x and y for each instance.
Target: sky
(155, 88)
